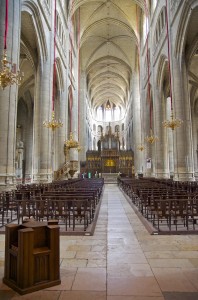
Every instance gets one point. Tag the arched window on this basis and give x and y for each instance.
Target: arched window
(100, 129)
(108, 115)
(116, 113)
(99, 113)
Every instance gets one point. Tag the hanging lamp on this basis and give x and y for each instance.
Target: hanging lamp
(140, 147)
(8, 73)
(53, 123)
(173, 123)
(151, 138)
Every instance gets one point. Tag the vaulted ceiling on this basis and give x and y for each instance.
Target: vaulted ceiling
(109, 42)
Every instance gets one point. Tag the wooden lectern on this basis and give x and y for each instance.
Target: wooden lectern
(31, 256)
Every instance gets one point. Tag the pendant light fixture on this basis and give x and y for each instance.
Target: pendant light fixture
(8, 73)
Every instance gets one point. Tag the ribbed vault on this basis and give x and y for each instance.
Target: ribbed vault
(109, 37)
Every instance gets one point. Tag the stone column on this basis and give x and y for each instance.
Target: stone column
(74, 165)
(43, 137)
(43, 151)
(161, 154)
(189, 129)
(61, 133)
(8, 96)
(29, 141)
(137, 125)
(182, 138)
(82, 117)
(74, 112)
(194, 136)
(74, 129)
(147, 153)
(19, 159)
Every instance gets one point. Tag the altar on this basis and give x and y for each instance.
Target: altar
(110, 161)
(109, 158)
(109, 178)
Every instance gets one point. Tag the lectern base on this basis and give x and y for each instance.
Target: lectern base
(31, 289)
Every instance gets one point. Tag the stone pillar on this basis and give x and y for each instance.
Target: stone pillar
(147, 153)
(74, 154)
(61, 114)
(137, 125)
(8, 96)
(19, 160)
(42, 166)
(149, 159)
(29, 142)
(75, 113)
(189, 129)
(161, 154)
(195, 136)
(82, 117)
(182, 137)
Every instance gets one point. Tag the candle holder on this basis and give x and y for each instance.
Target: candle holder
(53, 124)
(152, 138)
(173, 123)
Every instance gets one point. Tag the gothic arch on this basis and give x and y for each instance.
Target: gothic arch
(163, 84)
(60, 76)
(162, 69)
(33, 11)
(181, 37)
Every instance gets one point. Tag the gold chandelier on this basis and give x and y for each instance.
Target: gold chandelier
(71, 143)
(8, 75)
(53, 124)
(152, 138)
(140, 147)
(173, 123)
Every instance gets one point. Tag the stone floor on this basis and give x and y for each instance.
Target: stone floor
(122, 261)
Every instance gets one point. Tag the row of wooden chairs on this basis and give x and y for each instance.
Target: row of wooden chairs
(67, 212)
(71, 207)
(167, 206)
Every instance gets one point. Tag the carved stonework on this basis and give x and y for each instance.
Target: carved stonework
(174, 5)
(62, 50)
(46, 12)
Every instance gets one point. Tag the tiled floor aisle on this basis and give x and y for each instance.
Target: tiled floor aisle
(121, 261)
